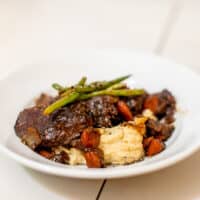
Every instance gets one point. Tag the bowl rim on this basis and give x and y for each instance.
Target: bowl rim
(99, 173)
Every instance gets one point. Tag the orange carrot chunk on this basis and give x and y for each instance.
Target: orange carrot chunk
(90, 138)
(151, 103)
(155, 147)
(124, 110)
(92, 160)
(45, 154)
(147, 141)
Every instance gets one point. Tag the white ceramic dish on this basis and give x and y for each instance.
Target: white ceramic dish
(149, 71)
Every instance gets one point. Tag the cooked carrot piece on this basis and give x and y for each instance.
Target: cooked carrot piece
(90, 138)
(93, 160)
(45, 154)
(124, 110)
(151, 103)
(155, 147)
(147, 141)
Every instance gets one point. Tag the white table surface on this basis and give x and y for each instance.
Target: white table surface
(39, 31)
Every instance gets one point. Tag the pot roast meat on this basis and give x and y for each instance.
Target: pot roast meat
(103, 111)
(44, 100)
(159, 130)
(62, 157)
(70, 121)
(65, 124)
(57, 129)
(31, 138)
(136, 103)
(30, 118)
(162, 104)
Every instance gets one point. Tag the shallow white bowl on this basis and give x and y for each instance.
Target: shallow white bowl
(149, 71)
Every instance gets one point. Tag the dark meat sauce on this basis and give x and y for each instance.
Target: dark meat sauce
(65, 126)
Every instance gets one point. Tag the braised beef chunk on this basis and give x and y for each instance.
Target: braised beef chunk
(31, 138)
(162, 104)
(28, 120)
(67, 123)
(76, 143)
(103, 111)
(57, 129)
(136, 103)
(71, 121)
(159, 130)
(62, 157)
(44, 100)
(169, 115)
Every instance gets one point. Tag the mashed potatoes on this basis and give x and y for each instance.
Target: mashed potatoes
(121, 144)
(149, 114)
(75, 156)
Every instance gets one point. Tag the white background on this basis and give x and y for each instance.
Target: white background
(37, 31)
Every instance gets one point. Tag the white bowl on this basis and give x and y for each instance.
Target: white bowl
(149, 71)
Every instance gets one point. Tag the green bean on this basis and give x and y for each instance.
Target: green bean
(82, 81)
(117, 86)
(67, 91)
(80, 91)
(58, 87)
(100, 85)
(61, 102)
(122, 92)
